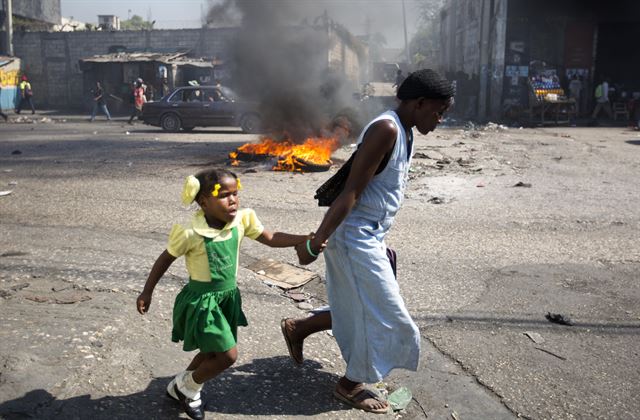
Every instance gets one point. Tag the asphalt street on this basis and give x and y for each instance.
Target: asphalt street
(500, 227)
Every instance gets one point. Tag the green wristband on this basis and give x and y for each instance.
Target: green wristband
(309, 249)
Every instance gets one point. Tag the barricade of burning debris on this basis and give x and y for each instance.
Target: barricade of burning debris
(311, 155)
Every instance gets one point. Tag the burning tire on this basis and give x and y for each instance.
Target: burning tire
(251, 123)
(170, 122)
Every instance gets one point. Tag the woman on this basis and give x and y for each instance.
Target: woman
(373, 328)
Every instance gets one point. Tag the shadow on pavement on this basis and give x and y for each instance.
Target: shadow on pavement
(269, 386)
(634, 142)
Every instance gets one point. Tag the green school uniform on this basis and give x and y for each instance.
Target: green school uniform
(206, 314)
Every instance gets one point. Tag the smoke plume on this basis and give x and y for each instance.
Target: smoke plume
(282, 61)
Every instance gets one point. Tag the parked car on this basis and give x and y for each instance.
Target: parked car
(201, 106)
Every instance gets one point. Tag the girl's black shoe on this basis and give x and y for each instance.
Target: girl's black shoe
(192, 408)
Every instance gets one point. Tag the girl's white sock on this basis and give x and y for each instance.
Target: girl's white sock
(189, 387)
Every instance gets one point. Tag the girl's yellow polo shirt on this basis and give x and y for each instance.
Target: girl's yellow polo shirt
(187, 240)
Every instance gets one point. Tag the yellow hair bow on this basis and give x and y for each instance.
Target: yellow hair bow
(216, 188)
(190, 190)
(239, 184)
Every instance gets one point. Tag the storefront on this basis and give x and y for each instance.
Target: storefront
(550, 43)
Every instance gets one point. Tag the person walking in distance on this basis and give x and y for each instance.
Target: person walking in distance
(25, 95)
(100, 101)
(139, 99)
(602, 100)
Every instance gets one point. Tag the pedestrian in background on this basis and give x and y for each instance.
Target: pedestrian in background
(99, 100)
(139, 99)
(399, 80)
(602, 100)
(575, 90)
(25, 95)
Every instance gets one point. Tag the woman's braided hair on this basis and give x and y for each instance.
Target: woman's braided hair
(425, 83)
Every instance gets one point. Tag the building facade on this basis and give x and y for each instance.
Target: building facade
(492, 48)
(52, 59)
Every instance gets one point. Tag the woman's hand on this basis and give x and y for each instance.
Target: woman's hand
(143, 302)
(308, 251)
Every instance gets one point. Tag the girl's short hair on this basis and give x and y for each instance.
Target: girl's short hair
(210, 177)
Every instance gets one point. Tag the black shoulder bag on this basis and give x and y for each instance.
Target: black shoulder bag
(333, 186)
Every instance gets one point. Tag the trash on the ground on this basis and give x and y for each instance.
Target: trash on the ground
(127, 133)
(454, 415)
(558, 319)
(283, 275)
(534, 336)
(550, 352)
(381, 387)
(522, 184)
(480, 185)
(13, 183)
(400, 398)
(3, 193)
(323, 308)
(329, 333)
(16, 152)
(296, 296)
(64, 300)
(435, 200)
(305, 306)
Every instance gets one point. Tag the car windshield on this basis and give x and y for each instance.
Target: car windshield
(228, 93)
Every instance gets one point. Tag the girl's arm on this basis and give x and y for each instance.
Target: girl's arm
(160, 267)
(280, 239)
(378, 141)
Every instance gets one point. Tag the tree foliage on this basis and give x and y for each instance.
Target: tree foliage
(424, 45)
(136, 23)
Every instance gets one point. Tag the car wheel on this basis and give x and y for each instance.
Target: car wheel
(188, 129)
(251, 123)
(170, 122)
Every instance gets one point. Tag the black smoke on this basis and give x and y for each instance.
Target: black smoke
(280, 58)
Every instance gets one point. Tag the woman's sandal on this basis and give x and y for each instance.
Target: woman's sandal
(287, 339)
(357, 396)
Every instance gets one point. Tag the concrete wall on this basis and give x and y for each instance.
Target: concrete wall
(42, 10)
(50, 59)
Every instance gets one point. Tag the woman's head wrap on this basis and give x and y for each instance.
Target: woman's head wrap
(425, 83)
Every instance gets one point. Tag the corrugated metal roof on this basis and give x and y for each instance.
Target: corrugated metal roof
(4, 60)
(178, 58)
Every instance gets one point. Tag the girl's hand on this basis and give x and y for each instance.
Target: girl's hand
(143, 302)
(302, 249)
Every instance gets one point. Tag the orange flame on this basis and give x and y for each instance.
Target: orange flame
(315, 150)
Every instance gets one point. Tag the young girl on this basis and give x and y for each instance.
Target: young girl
(208, 310)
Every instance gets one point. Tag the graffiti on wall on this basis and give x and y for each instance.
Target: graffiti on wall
(9, 77)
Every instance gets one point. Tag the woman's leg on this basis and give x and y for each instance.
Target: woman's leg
(296, 330)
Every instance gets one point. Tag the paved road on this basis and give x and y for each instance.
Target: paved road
(481, 263)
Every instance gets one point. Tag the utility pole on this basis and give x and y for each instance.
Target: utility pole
(8, 25)
(406, 42)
